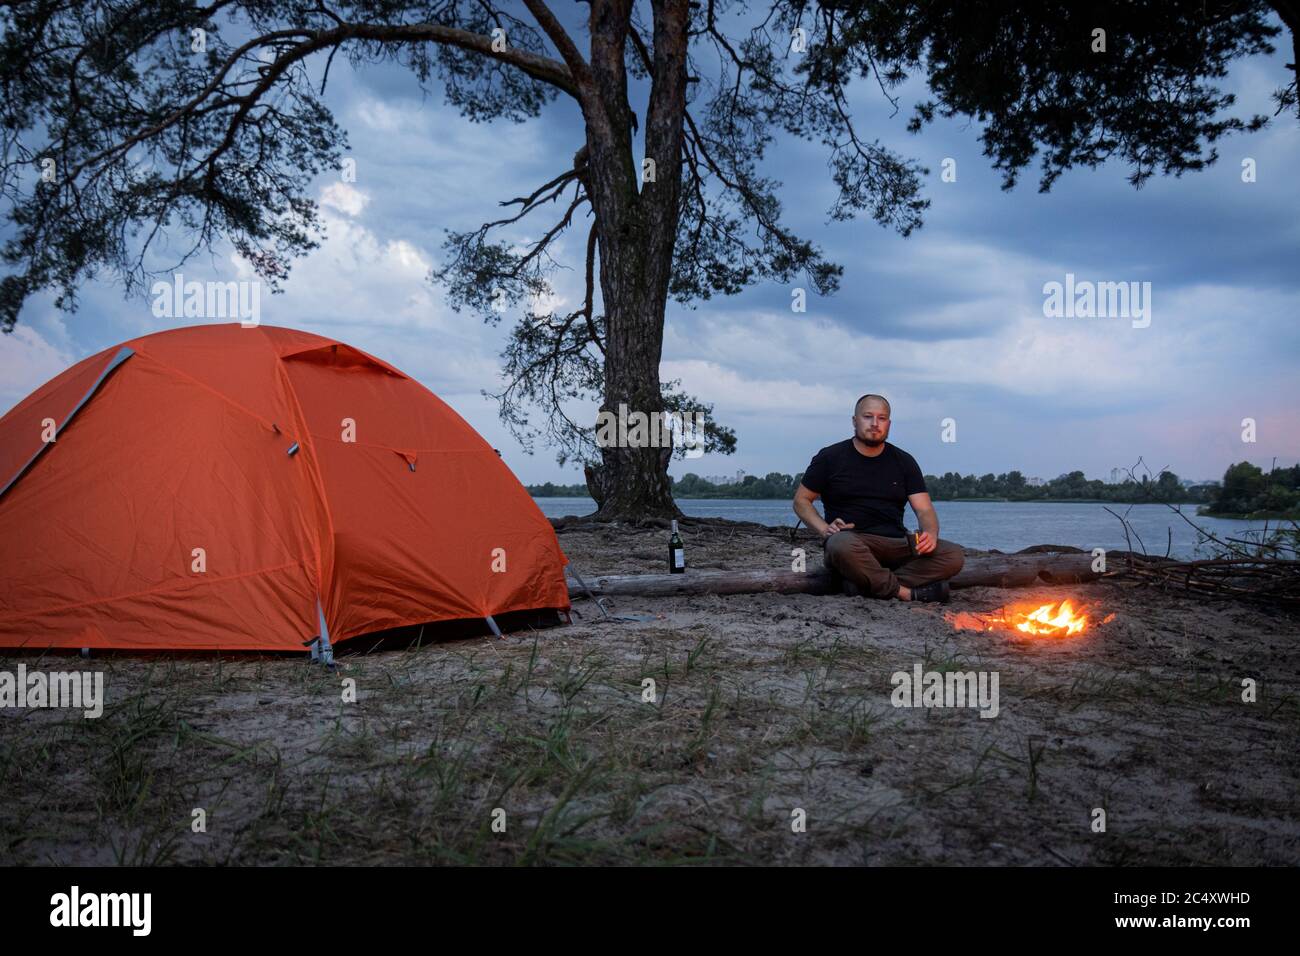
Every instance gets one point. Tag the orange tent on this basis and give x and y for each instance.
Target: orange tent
(229, 488)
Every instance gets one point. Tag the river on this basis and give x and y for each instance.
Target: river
(1006, 526)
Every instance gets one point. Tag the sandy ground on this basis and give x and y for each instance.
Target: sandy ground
(769, 711)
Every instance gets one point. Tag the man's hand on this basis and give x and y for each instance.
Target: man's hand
(839, 524)
(926, 542)
(803, 507)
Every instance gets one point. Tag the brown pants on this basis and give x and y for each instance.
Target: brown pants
(878, 565)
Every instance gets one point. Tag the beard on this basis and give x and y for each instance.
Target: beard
(872, 442)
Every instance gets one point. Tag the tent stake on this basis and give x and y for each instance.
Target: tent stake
(578, 578)
(320, 648)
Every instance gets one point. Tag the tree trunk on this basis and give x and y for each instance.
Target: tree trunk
(633, 480)
(637, 211)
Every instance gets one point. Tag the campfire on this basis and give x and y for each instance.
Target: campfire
(1060, 619)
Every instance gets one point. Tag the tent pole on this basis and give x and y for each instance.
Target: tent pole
(122, 355)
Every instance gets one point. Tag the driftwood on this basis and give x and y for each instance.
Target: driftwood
(994, 571)
(1261, 568)
(1267, 580)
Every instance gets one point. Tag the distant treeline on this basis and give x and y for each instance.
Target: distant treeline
(1013, 486)
(1248, 491)
(1245, 489)
(692, 485)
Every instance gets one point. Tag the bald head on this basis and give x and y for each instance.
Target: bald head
(871, 399)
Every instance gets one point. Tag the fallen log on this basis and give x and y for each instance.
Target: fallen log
(992, 571)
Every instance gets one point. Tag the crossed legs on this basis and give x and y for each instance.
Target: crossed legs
(880, 565)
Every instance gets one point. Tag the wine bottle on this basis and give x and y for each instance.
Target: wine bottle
(676, 552)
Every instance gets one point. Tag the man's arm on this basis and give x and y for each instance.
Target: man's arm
(923, 507)
(805, 509)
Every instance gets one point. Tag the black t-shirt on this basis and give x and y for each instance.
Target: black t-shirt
(869, 493)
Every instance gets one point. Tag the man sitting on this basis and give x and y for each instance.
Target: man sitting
(863, 483)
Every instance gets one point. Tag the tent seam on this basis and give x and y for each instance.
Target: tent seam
(318, 477)
(428, 451)
(207, 388)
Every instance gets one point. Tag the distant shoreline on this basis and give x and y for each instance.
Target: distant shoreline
(1252, 516)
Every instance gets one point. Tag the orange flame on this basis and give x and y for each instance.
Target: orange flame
(1049, 620)
(1055, 620)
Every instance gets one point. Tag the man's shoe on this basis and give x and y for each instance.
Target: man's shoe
(938, 592)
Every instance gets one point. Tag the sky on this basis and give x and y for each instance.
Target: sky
(948, 323)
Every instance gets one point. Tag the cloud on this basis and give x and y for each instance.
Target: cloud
(344, 198)
(27, 361)
(745, 395)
